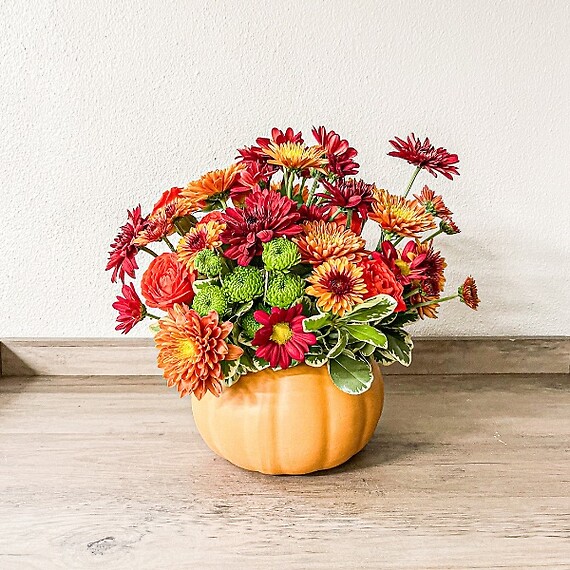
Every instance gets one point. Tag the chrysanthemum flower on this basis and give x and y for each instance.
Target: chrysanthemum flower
(212, 184)
(408, 265)
(349, 194)
(433, 203)
(468, 293)
(433, 279)
(314, 213)
(428, 311)
(202, 236)
(338, 285)
(379, 279)
(122, 257)
(296, 156)
(399, 216)
(339, 153)
(250, 180)
(425, 155)
(280, 137)
(156, 228)
(281, 337)
(322, 241)
(130, 307)
(191, 349)
(266, 215)
(449, 227)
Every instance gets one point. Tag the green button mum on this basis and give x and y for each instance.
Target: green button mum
(283, 290)
(208, 262)
(210, 298)
(280, 254)
(243, 284)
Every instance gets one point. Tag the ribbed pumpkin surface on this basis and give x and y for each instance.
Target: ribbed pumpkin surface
(292, 421)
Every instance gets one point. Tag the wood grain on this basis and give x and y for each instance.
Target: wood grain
(109, 472)
(469, 355)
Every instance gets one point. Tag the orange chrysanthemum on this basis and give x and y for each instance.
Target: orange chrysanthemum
(428, 311)
(322, 241)
(433, 267)
(433, 203)
(468, 293)
(157, 227)
(296, 156)
(338, 285)
(399, 216)
(203, 236)
(213, 183)
(191, 349)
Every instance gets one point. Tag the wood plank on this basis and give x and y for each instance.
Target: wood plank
(469, 355)
(109, 472)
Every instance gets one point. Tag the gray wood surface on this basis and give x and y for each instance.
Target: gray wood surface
(109, 472)
(120, 356)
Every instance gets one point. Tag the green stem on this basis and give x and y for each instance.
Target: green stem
(335, 215)
(434, 302)
(412, 292)
(349, 219)
(410, 183)
(167, 242)
(149, 251)
(429, 238)
(178, 228)
(312, 191)
(152, 316)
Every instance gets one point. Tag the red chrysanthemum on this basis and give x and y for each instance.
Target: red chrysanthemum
(314, 213)
(280, 137)
(266, 215)
(339, 153)
(379, 279)
(349, 194)
(130, 307)
(425, 155)
(433, 268)
(408, 265)
(123, 251)
(281, 337)
(253, 178)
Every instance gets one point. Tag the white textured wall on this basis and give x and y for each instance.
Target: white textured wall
(104, 104)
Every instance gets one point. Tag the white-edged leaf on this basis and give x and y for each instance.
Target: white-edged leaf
(377, 307)
(259, 363)
(367, 333)
(367, 350)
(353, 376)
(315, 360)
(399, 348)
(201, 282)
(241, 309)
(316, 322)
(340, 344)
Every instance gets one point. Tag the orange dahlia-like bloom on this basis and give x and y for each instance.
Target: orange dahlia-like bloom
(203, 236)
(157, 227)
(399, 216)
(296, 156)
(191, 349)
(322, 241)
(213, 183)
(338, 285)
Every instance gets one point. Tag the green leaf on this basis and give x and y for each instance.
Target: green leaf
(367, 350)
(351, 375)
(316, 322)
(241, 309)
(315, 360)
(259, 363)
(199, 283)
(230, 370)
(399, 346)
(377, 307)
(340, 344)
(367, 333)
(402, 319)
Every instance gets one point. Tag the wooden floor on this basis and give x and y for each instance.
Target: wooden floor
(109, 472)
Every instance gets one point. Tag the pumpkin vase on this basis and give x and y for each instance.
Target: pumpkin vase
(292, 421)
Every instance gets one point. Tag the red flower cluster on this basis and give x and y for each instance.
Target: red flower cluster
(267, 215)
(339, 153)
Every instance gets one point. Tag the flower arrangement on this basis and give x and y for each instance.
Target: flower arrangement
(265, 264)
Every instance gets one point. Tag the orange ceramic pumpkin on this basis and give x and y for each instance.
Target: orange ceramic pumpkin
(291, 421)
